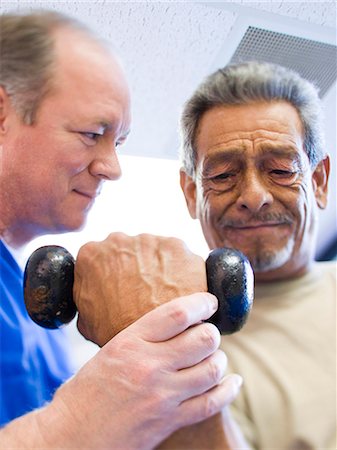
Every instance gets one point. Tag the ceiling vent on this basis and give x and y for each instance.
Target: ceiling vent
(313, 60)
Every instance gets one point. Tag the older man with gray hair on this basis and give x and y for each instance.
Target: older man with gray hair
(254, 173)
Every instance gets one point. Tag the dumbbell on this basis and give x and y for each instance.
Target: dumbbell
(49, 278)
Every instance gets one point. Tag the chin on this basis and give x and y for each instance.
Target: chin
(71, 225)
(266, 261)
(262, 256)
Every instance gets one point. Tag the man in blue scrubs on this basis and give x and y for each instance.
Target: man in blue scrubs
(34, 361)
(64, 108)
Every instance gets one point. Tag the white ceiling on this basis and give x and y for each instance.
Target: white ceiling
(169, 47)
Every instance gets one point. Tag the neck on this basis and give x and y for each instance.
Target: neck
(284, 273)
(17, 236)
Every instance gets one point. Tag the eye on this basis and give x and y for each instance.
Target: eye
(285, 177)
(90, 135)
(222, 182)
(120, 141)
(224, 177)
(282, 173)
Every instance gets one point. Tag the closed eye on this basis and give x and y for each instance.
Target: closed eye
(223, 176)
(284, 177)
(221, 182)
(91, 135)
(285, 173)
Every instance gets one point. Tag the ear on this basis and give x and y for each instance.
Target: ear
(189, 189)
(320, 178)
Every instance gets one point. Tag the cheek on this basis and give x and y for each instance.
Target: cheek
(300, 205)
(210, 205)
(307, 205)
(204, 201)
(52, 153)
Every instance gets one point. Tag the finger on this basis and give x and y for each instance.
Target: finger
(192, 346)
(201, 378)
(175, 316)
(211, 402)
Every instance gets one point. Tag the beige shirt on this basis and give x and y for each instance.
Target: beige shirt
(287, 355)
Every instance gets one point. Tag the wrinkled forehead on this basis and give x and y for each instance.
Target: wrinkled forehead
(237, 125)
(250, 132)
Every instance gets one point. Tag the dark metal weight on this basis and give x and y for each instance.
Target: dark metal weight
(230, 278)
(48, 286)
(49, 279)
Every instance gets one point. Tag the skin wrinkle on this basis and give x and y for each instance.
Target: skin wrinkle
(254, 188)
(308, 226)
(262, 133)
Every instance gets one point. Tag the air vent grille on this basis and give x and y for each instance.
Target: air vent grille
(313, 60)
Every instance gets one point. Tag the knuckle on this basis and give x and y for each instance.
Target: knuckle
(211, 406)
(179, 315)
(147, 374)
(215, 372)
(86, 248)
(173, 241)
(210, 336)
(173, 245)
(144, 239)
(86, 252)
(159, 403)
(117, 237)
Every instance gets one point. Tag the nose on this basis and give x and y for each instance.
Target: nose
(254, 194)
(106, 165)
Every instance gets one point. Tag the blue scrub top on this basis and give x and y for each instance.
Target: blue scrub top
(33, 361)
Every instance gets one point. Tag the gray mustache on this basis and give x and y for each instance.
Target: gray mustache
(261, 218)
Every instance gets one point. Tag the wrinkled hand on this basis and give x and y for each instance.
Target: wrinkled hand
(160, 368)
(156, 376)
(121, 278)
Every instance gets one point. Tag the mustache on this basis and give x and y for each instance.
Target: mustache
(266, 218)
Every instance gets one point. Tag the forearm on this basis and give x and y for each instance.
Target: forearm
(44, 428)
(219, 432)
(47, 428)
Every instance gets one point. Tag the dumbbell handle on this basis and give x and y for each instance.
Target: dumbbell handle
(49, 278)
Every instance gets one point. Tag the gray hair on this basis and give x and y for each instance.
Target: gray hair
(27, 57)
(249, 82)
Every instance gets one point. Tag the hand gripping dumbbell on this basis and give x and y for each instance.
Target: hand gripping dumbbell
(49, 278)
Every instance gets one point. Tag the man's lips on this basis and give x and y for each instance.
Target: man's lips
(254, 226)
(263, 230)
(87, 194)
(270, 220)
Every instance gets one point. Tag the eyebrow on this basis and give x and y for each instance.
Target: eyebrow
(109, 126)
(267, 149)
(281, 151)
(222, 155)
